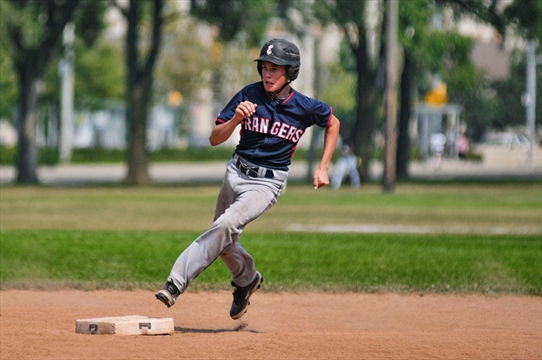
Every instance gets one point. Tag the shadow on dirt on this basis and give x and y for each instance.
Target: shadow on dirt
(241, 327)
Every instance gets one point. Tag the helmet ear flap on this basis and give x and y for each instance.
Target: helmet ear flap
(293, 72)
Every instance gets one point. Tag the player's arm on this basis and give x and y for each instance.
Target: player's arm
(321, 177)
(222, 132)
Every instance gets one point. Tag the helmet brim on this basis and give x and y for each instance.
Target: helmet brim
(273, 59)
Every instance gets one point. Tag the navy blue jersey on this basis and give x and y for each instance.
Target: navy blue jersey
(269, 137)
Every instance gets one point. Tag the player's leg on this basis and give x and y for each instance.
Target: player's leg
(208, 246)
(224, 231)
(257, 196)
(260, 194)
(179, 279)
(245, 279)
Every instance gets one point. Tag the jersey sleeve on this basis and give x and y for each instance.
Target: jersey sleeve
(321, 113)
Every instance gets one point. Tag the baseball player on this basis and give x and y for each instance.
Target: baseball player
(272, 117)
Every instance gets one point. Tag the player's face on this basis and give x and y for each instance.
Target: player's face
(273, 76)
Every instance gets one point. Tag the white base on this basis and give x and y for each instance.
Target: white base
(125, 325)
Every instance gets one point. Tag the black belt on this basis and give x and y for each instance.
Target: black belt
(252, 170)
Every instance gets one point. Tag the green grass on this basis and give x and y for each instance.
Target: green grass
(470, 208)
(116, 237)
(300, 261)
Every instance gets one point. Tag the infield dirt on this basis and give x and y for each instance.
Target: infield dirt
(41, 325)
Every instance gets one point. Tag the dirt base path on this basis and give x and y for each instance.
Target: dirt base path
(41, 325)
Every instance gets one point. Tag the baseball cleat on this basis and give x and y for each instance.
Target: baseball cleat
(241, 296)
(168, 294)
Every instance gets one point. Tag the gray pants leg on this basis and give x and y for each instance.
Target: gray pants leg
(241, 200)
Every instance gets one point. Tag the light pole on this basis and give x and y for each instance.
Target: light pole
(66, 99)
(530, 98)
(390, 146)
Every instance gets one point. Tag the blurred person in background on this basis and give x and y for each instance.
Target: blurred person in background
(347, 165)
(462, 146)
(437, 143)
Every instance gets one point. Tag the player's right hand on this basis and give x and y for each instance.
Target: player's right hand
(245, 109)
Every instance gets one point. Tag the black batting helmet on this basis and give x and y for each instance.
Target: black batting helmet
(281, 52)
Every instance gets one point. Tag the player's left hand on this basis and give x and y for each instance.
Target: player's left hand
(320, 178)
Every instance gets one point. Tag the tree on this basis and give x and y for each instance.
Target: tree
(519, 16)
(509, 110)
(191, 65)
(99, 75)
(34, 34)
(425, 52)
(140, 73)
(339, 91)
(242, 20)
(428, 51)
(184, 59)
(368, 64)
(8, 85)
(233, 17)
(8, 78)
(369, 69)
(414, 24)
(526, 15)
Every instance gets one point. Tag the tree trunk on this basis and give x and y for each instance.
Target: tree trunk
(138, 157)
(367, 100)
(30, 64)
(405, 112)
(140, 77)
(390, 123)
(27, 152)
(365, 116)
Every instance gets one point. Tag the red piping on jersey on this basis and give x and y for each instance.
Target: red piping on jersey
(293, 151)
(288, 97)
(283, 101)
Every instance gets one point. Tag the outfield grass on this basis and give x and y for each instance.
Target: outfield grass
(466, 208)
(116, 237)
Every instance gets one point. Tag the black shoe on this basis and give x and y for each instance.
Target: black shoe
(168, 294)
(242, 294)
